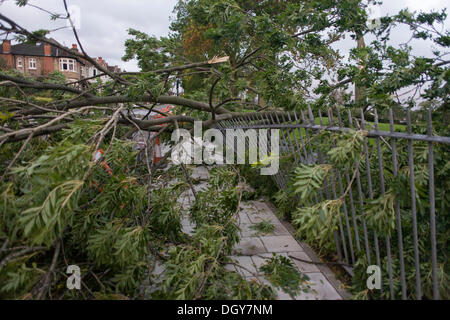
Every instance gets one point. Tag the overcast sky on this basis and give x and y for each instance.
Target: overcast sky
(104, 23)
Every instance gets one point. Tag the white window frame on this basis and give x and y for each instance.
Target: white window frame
(70, 64)
(32, 63)
(19, 63)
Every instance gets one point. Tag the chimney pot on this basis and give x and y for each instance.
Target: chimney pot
(74, 47)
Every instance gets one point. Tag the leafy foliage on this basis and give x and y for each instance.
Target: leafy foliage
(264, 227)
(282, 273)
(308, 179)
(108, 216)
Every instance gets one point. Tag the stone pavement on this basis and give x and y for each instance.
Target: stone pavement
(253, 248)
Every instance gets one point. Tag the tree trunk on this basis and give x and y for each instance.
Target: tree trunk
(360, 93)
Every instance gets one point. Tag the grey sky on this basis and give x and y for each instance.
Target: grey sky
(104, 23)
(402, 34)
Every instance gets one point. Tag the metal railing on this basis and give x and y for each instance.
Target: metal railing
(354, 236)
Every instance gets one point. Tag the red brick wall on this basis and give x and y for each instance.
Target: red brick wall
(8, 58)
(48, 65)
(22, 68)
(39, 66)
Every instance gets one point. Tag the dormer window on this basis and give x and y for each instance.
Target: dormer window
(32, 63)
(19, 63)
(67, 65)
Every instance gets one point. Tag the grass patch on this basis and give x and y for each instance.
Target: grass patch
(370, 125)
(43, 99)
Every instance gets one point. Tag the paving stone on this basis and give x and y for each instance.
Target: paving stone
(185, 221)
(230, 267)
(158, 269)
(173, 181)
(259, 260)
(200, 173)
(181, 199)
(243, 217)
(185, 203)
(246, 262)
(250, 246)
(187, 194)
(321, 289)
(246, 230)
(249, 209)
(303, 266)
(261, 206)
(324, 290)
(190, 230)
(148, 288)
(281, 295)
(281, 244)
(280, 230)
(187, 226)
(201, 187)
(246, 205)
(186, 199)
(258, 216)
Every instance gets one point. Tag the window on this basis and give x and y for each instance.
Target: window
(32, 63)
(94, 72)
(67, 65)
(19, 62)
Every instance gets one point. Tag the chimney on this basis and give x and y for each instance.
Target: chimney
(6, 46)
(74, 47)
(47, 50)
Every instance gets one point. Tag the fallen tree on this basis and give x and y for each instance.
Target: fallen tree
(63, 204)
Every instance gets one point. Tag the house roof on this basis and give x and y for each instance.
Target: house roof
(26, 49)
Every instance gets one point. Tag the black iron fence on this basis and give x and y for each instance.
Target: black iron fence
(354, 236)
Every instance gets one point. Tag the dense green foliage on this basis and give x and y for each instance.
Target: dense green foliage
(116, 216)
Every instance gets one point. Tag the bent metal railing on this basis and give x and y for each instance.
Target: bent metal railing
(354, 236)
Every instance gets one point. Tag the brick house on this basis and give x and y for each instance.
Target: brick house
(42, 59)
(92, 71)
